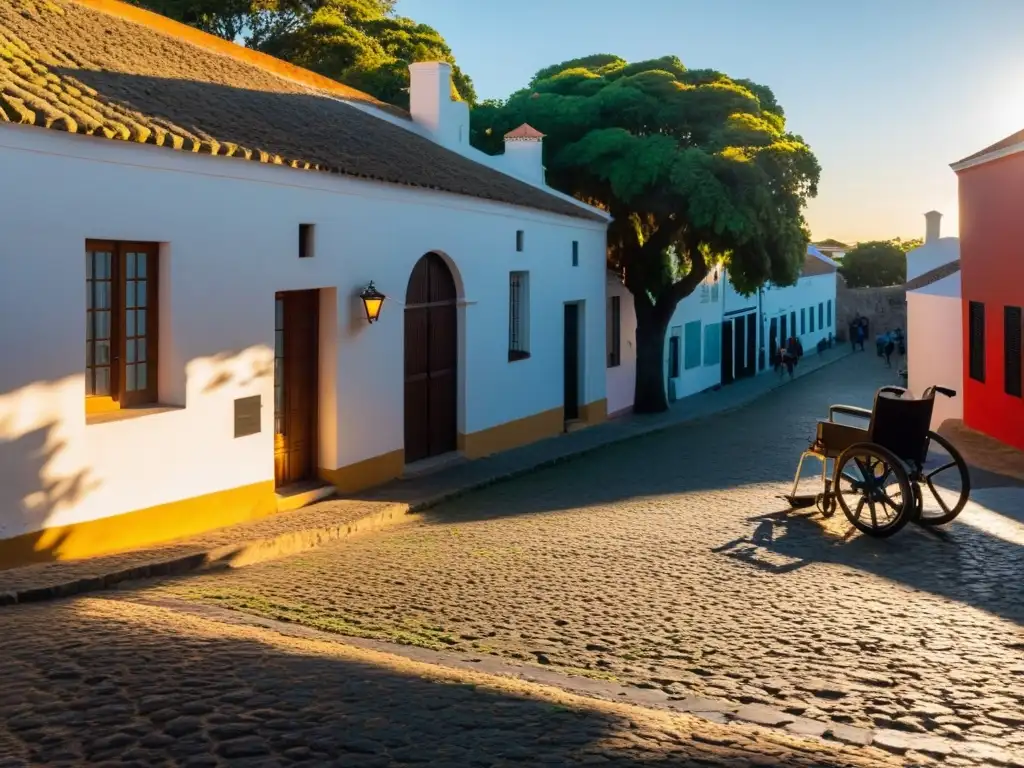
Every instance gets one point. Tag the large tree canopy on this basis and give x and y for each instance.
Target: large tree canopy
(697, 168)
(876, 263)
(361, 43)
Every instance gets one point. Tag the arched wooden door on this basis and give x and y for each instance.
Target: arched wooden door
(431, 359)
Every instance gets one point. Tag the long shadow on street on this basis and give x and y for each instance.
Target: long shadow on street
(91, 681)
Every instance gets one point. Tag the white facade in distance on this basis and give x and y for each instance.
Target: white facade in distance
(227, 234)
(935, 345)
(716, 309)
(701, 310)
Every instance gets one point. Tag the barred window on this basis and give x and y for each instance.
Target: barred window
(1013, 329)
(518, 315)
(976, 340)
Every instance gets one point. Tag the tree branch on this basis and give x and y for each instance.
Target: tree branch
(683, 288)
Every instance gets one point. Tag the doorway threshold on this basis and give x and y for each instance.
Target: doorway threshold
(302, 494)
(433, 464)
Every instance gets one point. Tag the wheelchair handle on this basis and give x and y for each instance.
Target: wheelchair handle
(898, 391)
(945, 391)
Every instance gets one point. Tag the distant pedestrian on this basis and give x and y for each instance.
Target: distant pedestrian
(860, 333)
(890, 347)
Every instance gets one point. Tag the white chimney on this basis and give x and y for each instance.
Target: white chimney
(431, 105)
(932, 223)
(524, 153)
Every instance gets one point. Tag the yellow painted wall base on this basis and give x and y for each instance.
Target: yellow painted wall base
(365, 474)
(512, 434)
(141, 528)
(594, 413)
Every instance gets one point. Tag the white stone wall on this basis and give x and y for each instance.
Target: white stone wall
(228, 233)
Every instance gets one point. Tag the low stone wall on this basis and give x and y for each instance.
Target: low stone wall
(885, 308)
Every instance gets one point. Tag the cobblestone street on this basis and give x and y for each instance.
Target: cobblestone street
(101, 682)
(665, 562)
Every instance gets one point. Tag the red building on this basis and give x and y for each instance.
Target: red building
(992, 271)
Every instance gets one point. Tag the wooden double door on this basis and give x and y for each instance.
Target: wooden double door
(431, 360)
(296, 374)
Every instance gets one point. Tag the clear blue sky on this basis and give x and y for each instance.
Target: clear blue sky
(887, 92)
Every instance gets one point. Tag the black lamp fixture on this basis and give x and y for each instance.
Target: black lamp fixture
(373, 301)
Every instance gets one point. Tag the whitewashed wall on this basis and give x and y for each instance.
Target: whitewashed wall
(621, 379)
(935, 345)
(229, 234)
(932, 255)
(808, 292)
(703, 306)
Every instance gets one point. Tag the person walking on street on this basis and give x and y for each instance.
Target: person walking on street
(890, 347)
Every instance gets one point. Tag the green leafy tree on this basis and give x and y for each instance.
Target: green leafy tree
(361, 43)
(908, 245)
(697, 169)
(877, 263)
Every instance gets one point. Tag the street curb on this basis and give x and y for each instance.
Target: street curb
(261, 550)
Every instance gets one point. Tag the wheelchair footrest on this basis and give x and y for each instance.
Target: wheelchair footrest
(800, 501)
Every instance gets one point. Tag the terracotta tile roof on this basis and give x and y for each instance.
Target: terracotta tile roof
(814, 266)
(524, 131)
(1009, 141)
(104, 68)
(933, 276)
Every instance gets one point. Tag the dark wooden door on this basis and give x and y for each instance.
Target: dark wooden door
(784, 333)
(571, 341)
(728, 373)
(296, 369)
(431, 359)
(751, 343)
(773, 341)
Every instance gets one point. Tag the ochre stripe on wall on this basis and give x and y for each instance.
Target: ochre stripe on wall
(365, 474)
(140, 528)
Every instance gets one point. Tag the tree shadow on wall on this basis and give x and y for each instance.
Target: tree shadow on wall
(26, 474)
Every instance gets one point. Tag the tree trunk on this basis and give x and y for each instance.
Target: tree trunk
(651, 324)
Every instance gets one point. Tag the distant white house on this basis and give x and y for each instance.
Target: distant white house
(717, 335)
(935, 319)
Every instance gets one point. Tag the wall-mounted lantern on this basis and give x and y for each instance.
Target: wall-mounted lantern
(373, 301)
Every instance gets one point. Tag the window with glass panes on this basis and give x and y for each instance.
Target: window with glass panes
(120, 324)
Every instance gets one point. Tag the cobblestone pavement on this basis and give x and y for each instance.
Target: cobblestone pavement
(101, 682)
(667, 563)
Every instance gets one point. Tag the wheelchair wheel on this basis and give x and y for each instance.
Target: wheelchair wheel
(873, 490)
(943, 487)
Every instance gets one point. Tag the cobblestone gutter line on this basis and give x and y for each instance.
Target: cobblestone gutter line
(913, 748)
(294, 532)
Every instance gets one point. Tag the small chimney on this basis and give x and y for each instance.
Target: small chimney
(431, 104)
(932, 224)
(430, 88)
(524, 153)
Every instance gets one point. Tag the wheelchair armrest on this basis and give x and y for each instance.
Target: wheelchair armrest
(848, 410)
(946, 391)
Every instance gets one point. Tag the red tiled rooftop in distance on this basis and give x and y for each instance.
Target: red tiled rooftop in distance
(525, 132)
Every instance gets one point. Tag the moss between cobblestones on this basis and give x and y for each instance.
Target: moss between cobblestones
(341, 623)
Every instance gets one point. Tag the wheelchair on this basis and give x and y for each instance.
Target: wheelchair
(881, 476)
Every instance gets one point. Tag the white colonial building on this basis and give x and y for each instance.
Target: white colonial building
(189, 235)
(717, 335)
(935, 319)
